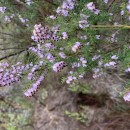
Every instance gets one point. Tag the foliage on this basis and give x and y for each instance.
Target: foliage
(86, 38)
(78, 116)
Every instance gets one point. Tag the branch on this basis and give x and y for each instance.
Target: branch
(3, 49)
(110, 4)
(16, 53)
(13, 54)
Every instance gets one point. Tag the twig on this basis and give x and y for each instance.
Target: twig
(13, 54)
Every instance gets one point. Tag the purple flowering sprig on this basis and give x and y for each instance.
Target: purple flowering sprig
(42, 34)
(12, 73)
(67, 6)
(31, 91)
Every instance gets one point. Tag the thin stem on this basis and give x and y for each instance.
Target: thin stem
(110, 26)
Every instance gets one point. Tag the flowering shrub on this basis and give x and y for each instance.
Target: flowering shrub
(81, 36)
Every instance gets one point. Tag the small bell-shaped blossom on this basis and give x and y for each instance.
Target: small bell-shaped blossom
(76, 65)
(98, 37)
(109, 64)
(83, 24)
(39, 51)
(114, 57)
(49, 46)
(128, 7)
(50, 57)
(90, 6)
(95, 57)
(62, 55)
(122, 12)
(83, 61)
(70, 79)
(65, 35)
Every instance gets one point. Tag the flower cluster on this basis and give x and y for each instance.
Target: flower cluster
(70, 79)
(83, 23)
(73, 77)
(113, 38)
(95, 57)
(10, 74)
(29, 2)
(2, 9)
(62, 55)
(114, 57)
(97, 72)
(40, 34)
(91, 6)
(8, 19)
(49, 46)
(50, 57)
(110, 64)
(65, 35)
(76, 47)
(23, 20)
(35, 68)
(66, 7)
(106, 1)
(35, 87)
(122, 12)
(57, 67)
(127, 70)
(128, 6)
(38, 50)
(52, 17)
(127, 97)
(82, 63)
